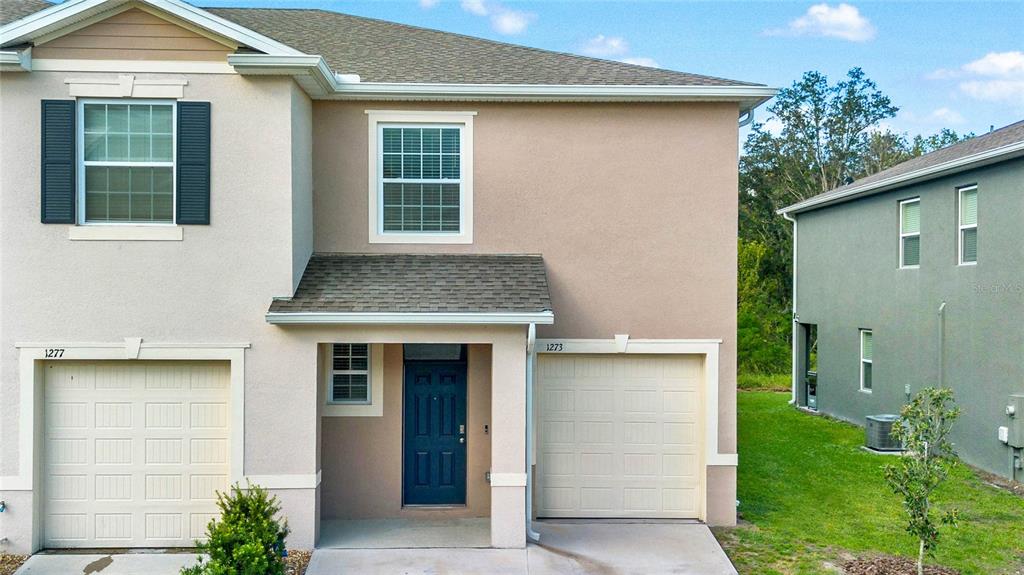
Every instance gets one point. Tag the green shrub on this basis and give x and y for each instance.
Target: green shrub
(764, 381)
(247, 539)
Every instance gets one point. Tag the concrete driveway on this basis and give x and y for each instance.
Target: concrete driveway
(565, 548)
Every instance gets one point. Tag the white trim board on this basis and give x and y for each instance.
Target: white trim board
(46, 22)
(306, 318)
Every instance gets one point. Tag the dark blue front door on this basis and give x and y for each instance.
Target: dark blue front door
(435, 433)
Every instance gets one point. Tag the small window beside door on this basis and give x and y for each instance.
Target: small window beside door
(350, 374)
(910, 233)
(866, 363)
(967, 202)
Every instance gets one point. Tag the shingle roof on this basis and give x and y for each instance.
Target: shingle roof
(1008, 135)
(381, 51)
(11, 10)
(419, 283)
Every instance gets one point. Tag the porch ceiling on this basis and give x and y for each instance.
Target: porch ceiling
(337, 285)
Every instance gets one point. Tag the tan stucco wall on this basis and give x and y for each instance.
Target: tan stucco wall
(633, 207)
(302, 181)
(132, 35)
(362, 456)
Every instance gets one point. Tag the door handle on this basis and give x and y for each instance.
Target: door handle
(462, 429)
(462, 440)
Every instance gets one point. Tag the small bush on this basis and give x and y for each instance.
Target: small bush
(247, 540)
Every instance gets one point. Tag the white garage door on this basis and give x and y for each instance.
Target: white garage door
(618, 435)
(133, 452)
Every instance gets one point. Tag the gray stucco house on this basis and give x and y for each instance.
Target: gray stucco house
(914, 277)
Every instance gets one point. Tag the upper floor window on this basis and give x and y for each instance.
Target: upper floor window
(968, 220)
(866, 361)
(910, 233)
(420, 178)
(421, 184)
(126, 174)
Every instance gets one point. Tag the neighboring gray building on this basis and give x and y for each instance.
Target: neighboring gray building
(914, 277)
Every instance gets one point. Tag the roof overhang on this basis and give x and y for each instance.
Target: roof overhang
(410, 318)
(314, 75)
(972, 161)
(75, 13)
(16, 60)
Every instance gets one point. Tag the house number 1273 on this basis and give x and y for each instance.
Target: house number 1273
(553, 347)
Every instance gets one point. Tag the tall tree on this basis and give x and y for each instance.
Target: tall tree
(822, 136)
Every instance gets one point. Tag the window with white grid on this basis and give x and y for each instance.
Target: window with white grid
(127, 165)
(350, 374)
(421, 178)
(968, 219)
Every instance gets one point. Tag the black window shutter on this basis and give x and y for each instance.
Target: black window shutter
(57, 192)
(193, 178)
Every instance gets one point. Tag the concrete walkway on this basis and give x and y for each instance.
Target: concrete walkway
(136, 563)
(576, 548)
(565, 548)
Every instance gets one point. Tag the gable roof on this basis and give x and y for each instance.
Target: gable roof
(380, 51)
(999, 145)
(340, 287)
(341, 56)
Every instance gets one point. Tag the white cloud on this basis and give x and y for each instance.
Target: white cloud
(475, 7)
(603, 46)
(428, 4)
(641, 61)
(995, 77)
(947, 116)
(1000, 64)
(504, 20)
(843, 21)
(511, 22)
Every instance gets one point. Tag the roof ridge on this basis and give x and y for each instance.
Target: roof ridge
(485, 40)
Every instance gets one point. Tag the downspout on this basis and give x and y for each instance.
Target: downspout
(795, 320)
(531, 356)
(747, 118)
(942, 345)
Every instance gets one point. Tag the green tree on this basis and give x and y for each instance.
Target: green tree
(923, 430)
(826, 135)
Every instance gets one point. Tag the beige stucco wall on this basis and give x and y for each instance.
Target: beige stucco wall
(133, 35)
(633, 207)
(212, 287)
(362, 456)
(302, 181)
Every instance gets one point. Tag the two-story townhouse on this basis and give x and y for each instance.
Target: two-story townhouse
(383, 271)
(914, 277)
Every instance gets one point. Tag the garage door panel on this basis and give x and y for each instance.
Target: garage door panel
(627, 446)
(134, 452)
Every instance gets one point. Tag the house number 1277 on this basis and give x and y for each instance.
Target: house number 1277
(54, 353)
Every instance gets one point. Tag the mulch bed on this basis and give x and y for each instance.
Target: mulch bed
(888, 565)
(10, 563)
(296, 561)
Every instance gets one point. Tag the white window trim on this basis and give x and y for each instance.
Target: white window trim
(860, 334)
(375, 406)
(80, 168)
(960, 227)
(904, 235)
(377, 235)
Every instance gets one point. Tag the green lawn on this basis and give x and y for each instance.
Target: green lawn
(809, 496)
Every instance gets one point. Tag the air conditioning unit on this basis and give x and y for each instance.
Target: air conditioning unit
(877, 433)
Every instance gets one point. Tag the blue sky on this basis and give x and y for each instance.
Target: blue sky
(945, 64)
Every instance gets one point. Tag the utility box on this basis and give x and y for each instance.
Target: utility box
(878, 433)
(1016, 436)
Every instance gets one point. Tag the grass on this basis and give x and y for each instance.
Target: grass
(810, 498)
(763, 381)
